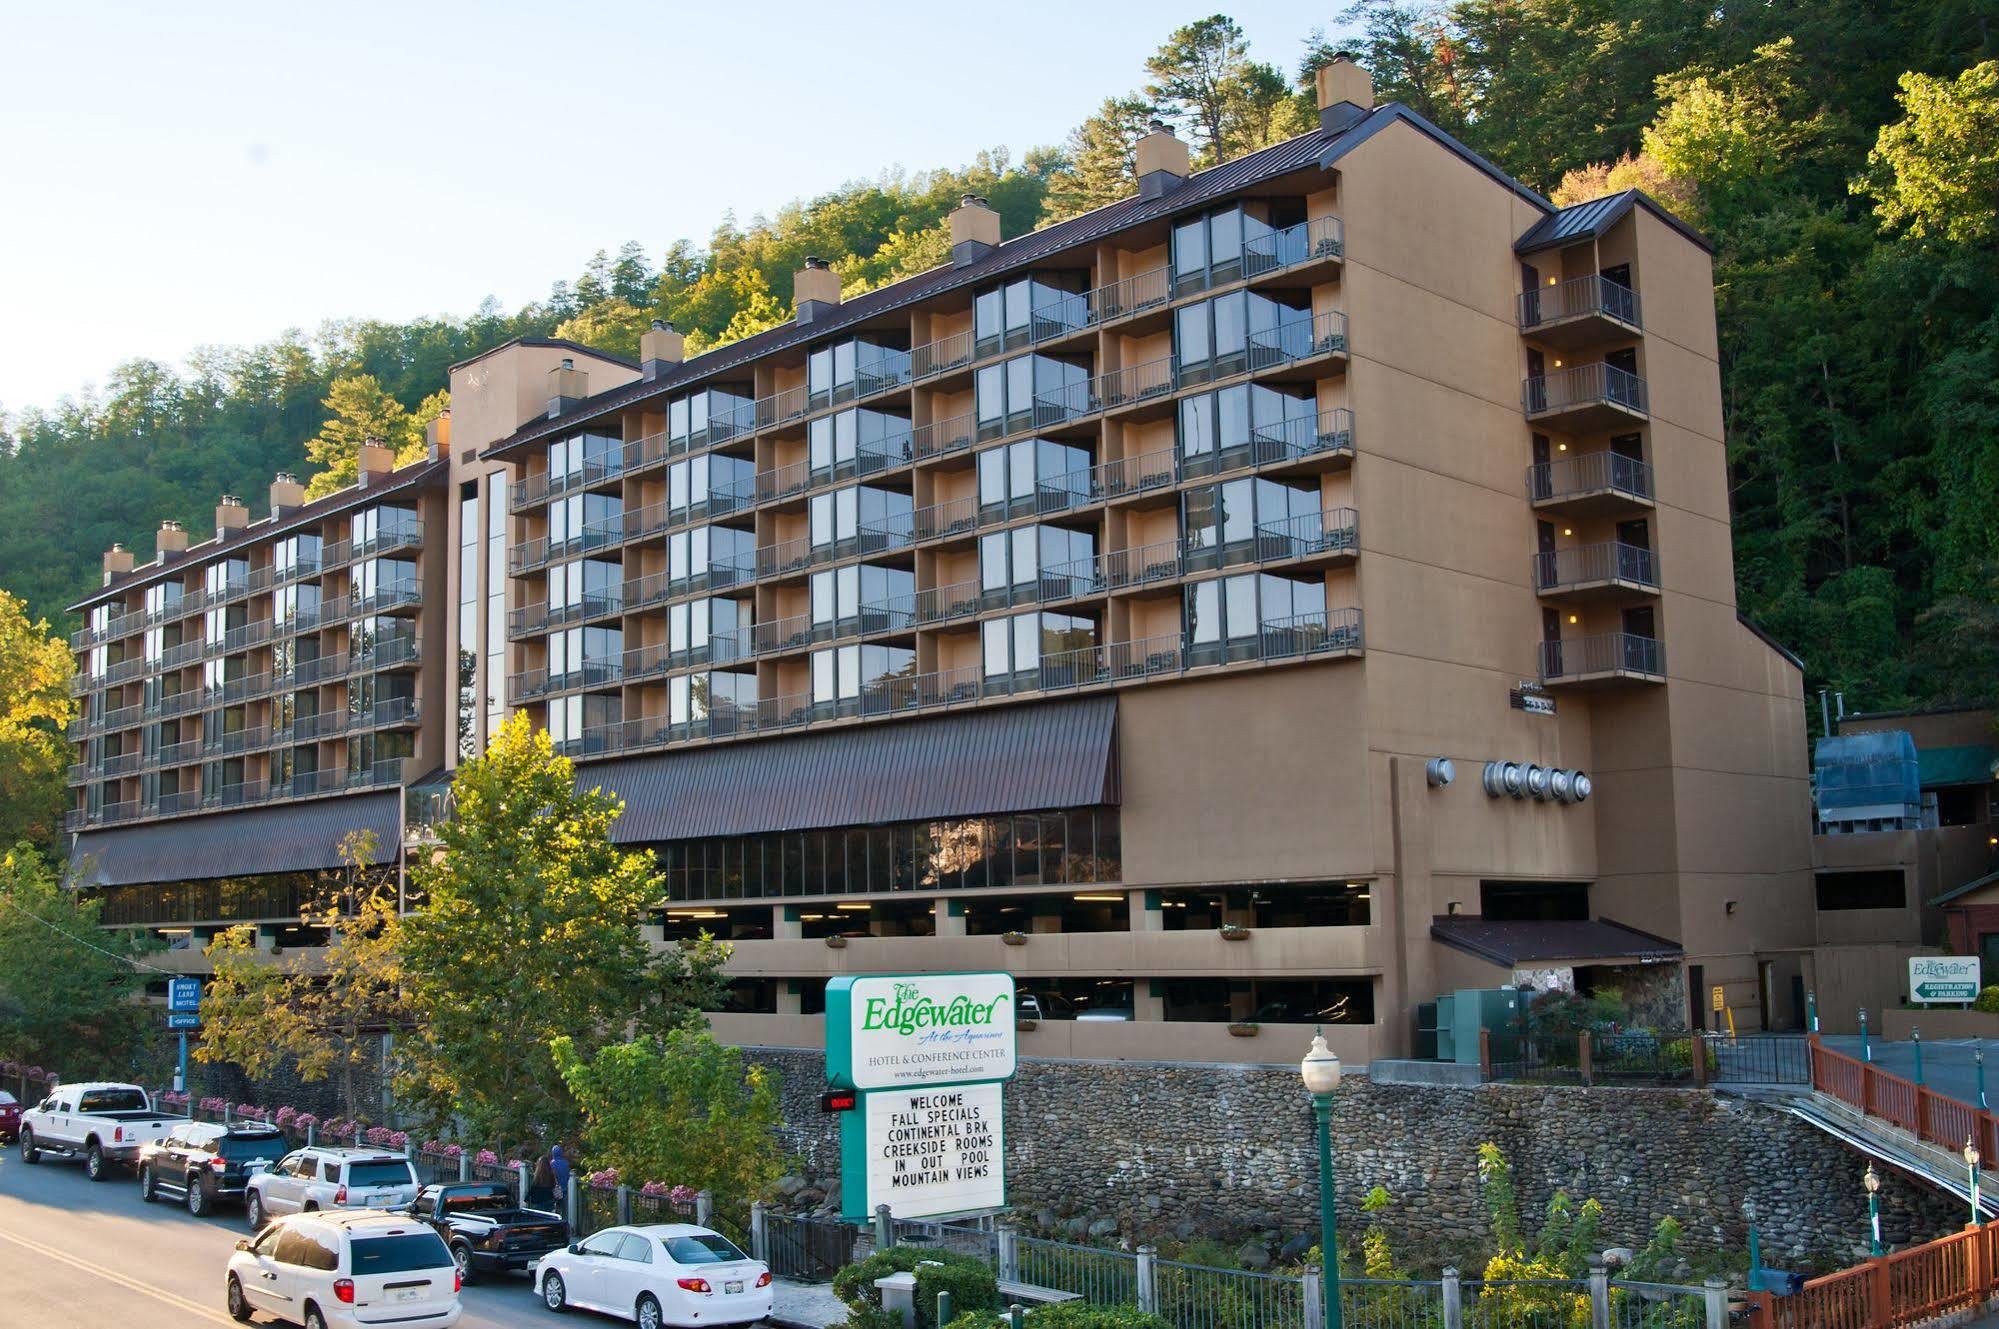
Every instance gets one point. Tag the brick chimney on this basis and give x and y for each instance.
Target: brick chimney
(1346, 92)
(376, 461)
(567, 387)
(170, 539)
(1163, 161)
(815, 290)
(230, 516)
(975, 230)
(286, 493)
(661, 349)
(118, 561)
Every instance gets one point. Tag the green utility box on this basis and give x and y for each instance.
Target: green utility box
(1460, 1015)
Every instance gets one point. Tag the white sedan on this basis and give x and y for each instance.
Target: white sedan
(668, 1274)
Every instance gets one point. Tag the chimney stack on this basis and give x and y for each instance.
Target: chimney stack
(660, 349)
(815, 290)
(1346, 92)
(437, 434)
(1162, 160)
(170, 539)
(975, 230)
(118, 561)
(376, 461)
(286, 493)
(230, 516)
(567, 387)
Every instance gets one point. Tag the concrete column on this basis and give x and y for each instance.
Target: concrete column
(788, 1001)
(1146, 915)
(1454, 1301)
(1145, 1006)
(1148, 1293)
(948, 923)
(1403, 908)
(784, 924)
(760, 1232)
(898, 1293)
(1599, 1293)
(1716, 1294)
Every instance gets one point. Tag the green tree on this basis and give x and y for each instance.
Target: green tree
(1100, 164)
(1935, 172)
(1194, 76)
(322, 1013)
(1730, 133)
(678, 1108)
(363, 411)
(529, 931)
(69, 988)
(612, 325)
(35, 706)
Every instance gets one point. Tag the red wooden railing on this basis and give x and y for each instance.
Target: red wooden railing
(1911, 1287)
(1930, 1116)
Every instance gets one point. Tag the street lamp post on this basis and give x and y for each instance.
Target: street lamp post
(1978, 1059)
(1866, 1052)
(1321, 1072)
(1812, 1009)
(1755, 1247)
(1971, 1165)
(1916, 1037)
(1872, 1181)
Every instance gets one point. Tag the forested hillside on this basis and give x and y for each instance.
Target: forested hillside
(1842, 154)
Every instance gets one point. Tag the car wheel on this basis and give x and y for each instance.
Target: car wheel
(197, 1198)
(554, 1292)
(648, 1316)
(29, 1154)
(253, 1209)
(93, 1161)
(146, 1191)
(461, 1256)
(313, 1318)
(239, 1306)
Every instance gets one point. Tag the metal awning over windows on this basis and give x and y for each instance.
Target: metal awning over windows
(299, 837)
(1017, 759)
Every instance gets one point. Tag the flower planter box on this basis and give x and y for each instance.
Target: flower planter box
(1246, 1029)
(836, 943)
(1014, 938)
(1234, 932)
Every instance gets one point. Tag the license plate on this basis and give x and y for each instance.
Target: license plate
(407, 1294)
(732, 1287)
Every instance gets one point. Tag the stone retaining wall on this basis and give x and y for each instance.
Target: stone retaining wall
(1148, 1149)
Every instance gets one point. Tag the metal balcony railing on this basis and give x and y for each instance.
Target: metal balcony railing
(1609, 653)
(1596, 384)
(1590, 473)
(941, 356)
(1584, 565)
(1578, 297)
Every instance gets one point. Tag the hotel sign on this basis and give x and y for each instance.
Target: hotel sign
(1943, 978)
(927, 1056)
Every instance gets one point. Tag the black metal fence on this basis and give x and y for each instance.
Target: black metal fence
(810, 1250)
(1658, 1058)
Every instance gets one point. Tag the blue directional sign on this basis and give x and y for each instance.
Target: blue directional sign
(183, 1020)
(183, 994)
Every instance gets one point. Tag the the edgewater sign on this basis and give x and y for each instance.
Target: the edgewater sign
(929, 1055)
(1943, 978)
(910, 1029)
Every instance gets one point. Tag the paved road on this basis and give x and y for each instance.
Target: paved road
(1949, 1067)
(81, 1255)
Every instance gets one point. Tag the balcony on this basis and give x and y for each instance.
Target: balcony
(1583, 398)
(1593, 484)
(1580, 312)
(1314, 537)
(1612, 657)
(1607, 571)
(533, 618)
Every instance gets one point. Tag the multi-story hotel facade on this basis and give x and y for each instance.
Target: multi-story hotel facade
(1277, 598)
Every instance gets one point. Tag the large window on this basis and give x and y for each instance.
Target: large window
(295, 608)
(1033, 475)
(582, 723)
(585, 521)
(708, 556)
(1879, 888)
(164, 599)
(861, 518)
(1042, 649)
(1024, 312)
(858, 678)
(861, 598)
(1029, 390)
(581, 460)
(713, 483)
(218, 579)
(295, 556)
(585, 657)
(852, 368)
(1290, 905)
(383, 581)
(1220, 431)
(586, 587)
(1240, 521)
(1233, 332)
(1032, 563)
(1076, 846)
(1086, 911)
(698, 631)
(708, 416)
(1253, 616)
(381, 527)
(856, 442)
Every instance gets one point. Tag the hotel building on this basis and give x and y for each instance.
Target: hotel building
(1274, 599)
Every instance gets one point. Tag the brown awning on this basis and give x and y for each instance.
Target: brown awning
(1595, 941)
(1014, 759)
(294, 837)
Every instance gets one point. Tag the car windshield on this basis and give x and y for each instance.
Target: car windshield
(7, 1099)
(399, 1254)
(390, 1173)
(239, 1148)
(704, 1249)
(112, 1100)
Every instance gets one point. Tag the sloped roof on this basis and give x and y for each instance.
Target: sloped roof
(1959, 892)
(1514, 942)
(1011, 759)
(1586, 221)
(290, 837)
(1320, 147)
(1971, 763)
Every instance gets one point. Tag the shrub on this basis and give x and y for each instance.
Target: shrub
(1988, 999)
(1081, 1315)
(972, 1284)
(870, 1317)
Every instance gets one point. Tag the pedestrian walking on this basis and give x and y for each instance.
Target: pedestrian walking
(541, 1184)
(558, 1165)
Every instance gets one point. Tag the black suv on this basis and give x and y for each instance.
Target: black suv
(200, 1162)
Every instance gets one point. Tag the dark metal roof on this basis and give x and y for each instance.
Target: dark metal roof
(1586, 221)
(1796, 662)
(1015, 759)
(1393, 112)
(296, 837)
(546, 343)
(1020, 252)
(1511, 943)
(411, 477)
(1959, 892)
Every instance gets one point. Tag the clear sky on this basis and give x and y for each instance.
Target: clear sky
(178, 175)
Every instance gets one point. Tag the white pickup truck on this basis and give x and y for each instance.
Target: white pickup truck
(101, 1123)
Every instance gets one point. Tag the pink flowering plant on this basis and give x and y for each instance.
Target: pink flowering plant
(607, 1179)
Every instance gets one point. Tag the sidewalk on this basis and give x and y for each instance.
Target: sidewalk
(806, 1305)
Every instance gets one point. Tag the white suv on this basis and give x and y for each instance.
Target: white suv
(313, 1179)
(345, 1271)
